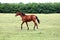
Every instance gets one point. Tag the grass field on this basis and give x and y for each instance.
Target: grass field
(49, 29)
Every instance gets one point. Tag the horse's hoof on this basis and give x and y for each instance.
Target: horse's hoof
(27, 29)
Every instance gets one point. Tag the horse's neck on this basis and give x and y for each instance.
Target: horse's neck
(22, 15)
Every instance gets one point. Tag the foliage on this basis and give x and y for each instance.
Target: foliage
(30, 7)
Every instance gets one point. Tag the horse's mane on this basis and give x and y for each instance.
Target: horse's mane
(22, 13)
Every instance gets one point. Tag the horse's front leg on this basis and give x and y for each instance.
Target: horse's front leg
(27, 26)
(21, 25)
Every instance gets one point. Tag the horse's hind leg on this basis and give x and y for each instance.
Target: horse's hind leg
(35, 25)
(21, 25)
(27, 26)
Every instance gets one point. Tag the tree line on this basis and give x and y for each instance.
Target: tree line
(30, 7)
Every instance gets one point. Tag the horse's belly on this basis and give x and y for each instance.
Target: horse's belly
(27, 20)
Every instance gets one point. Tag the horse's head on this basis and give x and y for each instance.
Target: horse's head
(19, 13)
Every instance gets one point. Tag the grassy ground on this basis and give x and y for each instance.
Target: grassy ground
(49, 29)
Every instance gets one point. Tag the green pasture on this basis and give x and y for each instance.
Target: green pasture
(49, 29)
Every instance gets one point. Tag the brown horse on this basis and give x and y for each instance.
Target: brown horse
(28, 18)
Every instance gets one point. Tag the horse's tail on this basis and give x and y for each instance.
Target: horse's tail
(38, 20)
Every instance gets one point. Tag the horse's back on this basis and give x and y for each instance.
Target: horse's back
(28, 18)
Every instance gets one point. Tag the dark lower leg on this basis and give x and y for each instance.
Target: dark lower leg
(27, 26)
(21, 25)
(36, 25)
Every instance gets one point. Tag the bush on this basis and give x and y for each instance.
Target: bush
(30, 7)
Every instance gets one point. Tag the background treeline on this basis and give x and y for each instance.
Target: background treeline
(30, 7)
